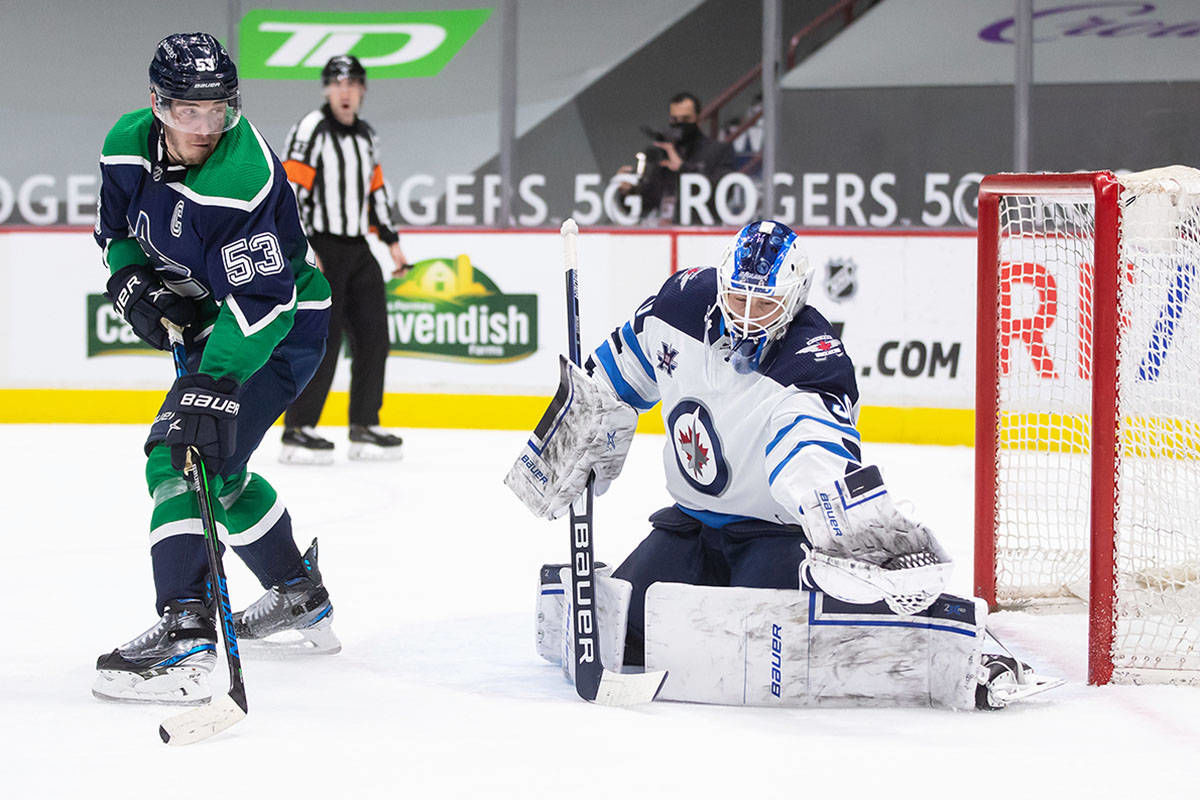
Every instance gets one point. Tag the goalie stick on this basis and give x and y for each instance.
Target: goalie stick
(592, 681)
(229, 709)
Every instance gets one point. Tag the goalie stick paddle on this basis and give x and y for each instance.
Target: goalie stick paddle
(592, 681)
(229, 709)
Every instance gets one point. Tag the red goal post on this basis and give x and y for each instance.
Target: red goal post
(1073, 328)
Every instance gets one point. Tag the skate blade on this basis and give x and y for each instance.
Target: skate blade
(1008, 693)
(175, 687)
(362, 451)
(317, 640)
(290, 454)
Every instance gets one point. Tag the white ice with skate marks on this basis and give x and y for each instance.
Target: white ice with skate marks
(438, 691)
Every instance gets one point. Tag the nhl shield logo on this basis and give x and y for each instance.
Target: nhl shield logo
(840, 279)
(698, 452)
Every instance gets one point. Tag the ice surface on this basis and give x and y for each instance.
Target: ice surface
(432, 567)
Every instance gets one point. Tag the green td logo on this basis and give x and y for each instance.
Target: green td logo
(294, 45)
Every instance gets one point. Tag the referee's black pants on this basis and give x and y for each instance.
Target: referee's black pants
(360, 311)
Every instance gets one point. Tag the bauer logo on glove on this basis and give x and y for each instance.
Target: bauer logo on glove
(864, 550)
(586, 429)
(201, 412)
(230, 407)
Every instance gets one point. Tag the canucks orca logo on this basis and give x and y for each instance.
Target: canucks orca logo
(698, 451)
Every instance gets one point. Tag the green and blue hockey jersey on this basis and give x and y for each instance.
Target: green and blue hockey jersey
(226, 233)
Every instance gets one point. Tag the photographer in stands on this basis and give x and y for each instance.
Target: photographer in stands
(682, 148)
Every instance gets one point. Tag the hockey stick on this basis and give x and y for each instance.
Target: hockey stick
(592, 681)
(229, 709)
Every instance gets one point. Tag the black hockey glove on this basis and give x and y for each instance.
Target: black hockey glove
(201, 412)
(144, 302)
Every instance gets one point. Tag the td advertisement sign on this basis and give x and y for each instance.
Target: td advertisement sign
(295, 45)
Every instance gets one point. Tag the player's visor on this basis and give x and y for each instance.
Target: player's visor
(198, 116)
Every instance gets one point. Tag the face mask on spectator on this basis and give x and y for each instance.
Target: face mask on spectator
(686, 131)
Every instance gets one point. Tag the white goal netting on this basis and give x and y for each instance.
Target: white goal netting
(1045, 383)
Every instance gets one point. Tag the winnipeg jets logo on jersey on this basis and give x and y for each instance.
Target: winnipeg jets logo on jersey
(666, 359)
(693, 449)
(687, 276)
(822, 347)
(698, 451)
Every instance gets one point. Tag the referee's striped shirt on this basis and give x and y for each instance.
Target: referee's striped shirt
(335, 171)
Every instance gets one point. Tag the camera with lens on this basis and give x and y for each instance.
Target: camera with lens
(649, 159)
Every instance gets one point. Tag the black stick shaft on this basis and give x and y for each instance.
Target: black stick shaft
(216, 568)
(585, 628)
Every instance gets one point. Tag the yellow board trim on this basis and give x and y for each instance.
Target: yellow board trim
(495, 412)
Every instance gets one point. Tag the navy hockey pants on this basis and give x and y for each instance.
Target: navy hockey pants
(682, 549)
(180, 561)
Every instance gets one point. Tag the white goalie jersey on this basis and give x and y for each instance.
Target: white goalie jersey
(738, 445)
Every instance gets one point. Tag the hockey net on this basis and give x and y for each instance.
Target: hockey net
(1088, 410)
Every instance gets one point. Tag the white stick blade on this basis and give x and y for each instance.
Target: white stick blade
(629, 689)
(201, 723)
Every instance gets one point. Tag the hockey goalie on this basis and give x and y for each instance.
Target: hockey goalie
(782, 574)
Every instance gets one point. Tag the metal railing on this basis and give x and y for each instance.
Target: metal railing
(846, 9)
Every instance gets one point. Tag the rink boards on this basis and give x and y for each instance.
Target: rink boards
(476, 329)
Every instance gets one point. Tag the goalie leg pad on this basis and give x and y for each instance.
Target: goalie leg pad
(586, 429)
(773, 647)
(612, 612)
(551, 601)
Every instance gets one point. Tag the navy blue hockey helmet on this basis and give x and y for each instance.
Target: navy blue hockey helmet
(343, 68)
(195, 84)
(764, 280)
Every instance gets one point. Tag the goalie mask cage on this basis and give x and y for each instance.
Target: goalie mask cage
(1087, 432)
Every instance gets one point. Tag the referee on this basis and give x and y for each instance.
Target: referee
(332, 160)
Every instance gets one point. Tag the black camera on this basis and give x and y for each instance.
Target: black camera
(673, 134)
(651, 156)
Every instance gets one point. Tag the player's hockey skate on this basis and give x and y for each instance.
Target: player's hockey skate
(1005, 680)
(372, 443)
(292, 617)
(169, 663)
(304, 446)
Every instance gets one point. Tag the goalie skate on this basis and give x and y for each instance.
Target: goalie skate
(292, 617)
(372, 443)
(1005, 680)
(169, 663)
(304, 446)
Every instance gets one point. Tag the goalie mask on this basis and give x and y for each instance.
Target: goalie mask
(763, 281)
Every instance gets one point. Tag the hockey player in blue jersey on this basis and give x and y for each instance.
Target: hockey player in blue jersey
(763, 457)
(199, 228)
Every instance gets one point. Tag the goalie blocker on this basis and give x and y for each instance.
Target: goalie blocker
(585, 429)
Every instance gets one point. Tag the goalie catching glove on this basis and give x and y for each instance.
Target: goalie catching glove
(864, 550)
(586, 428)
